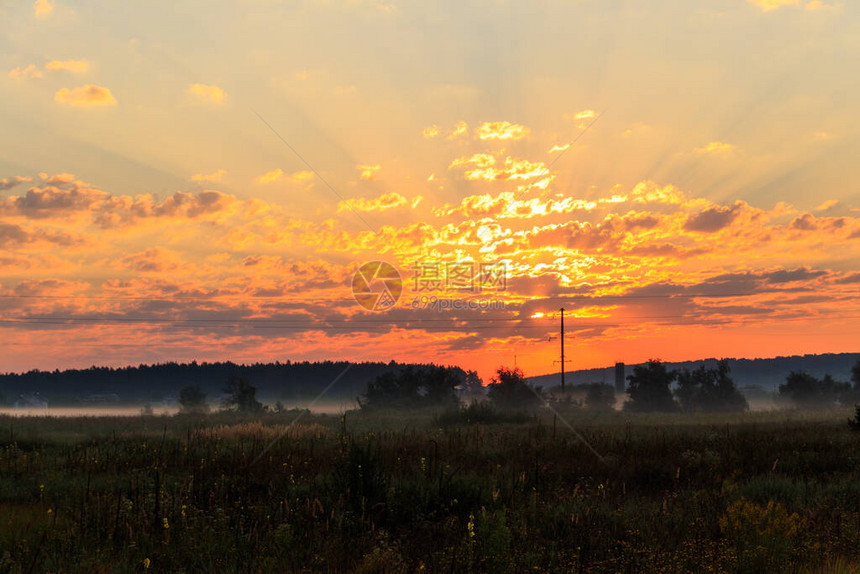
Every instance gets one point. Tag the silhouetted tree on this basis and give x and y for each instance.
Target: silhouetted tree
(241, 396)
(472, 383)
(709, 390)
(510, 391)
(648, 388)
(413, 387)
(807, 391)
(192, 400)
(600, 397)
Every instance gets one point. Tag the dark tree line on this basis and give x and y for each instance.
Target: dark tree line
(286, 381)
(650, 389)
(810, 392)
(699, 390)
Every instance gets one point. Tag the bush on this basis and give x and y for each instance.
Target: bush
(242, 396)
(709, 390)
(509, 391)
(413, 387)
(807, 391)
(648, 388)
(192, 400)
(600, 397)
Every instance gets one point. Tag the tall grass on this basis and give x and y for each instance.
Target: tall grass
(393, 493)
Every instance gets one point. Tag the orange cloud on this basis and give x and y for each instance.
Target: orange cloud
(10, 182)
(431, 131)
(214, 176)
(85, 96)
(28, 72)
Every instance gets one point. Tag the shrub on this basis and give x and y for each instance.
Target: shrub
(413, 387)
(648, 388)
(192, 400)
(509, 391)
(600, 397)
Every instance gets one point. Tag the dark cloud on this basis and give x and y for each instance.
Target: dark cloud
(10, 182)
(712, 219)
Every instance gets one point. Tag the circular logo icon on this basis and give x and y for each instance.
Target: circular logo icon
(376, 286)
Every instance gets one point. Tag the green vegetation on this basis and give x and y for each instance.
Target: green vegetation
(807, 391)
(376, 491)
(649, 389)
(241, 397)
(709, 390)
(413, 387)
(192, 399)
(509, 391)
(600, 397)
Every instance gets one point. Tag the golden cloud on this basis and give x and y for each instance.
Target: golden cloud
(716, 147)
(77, 66)
(214, 176)
(43, 8)
(768, 5)
(501, 131)
(270, 176)
(367, 172)
(381, 203)
(460, 130)
(28, 72)
(486, 170)
(302, 176)
(431, 131)
(207, 94)
(85, 96)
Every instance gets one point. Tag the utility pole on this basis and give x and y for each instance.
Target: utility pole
(561, 338)
(562, 349)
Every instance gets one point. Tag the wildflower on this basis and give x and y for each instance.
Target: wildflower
(146, 563)
(164, 523)
(470, 526)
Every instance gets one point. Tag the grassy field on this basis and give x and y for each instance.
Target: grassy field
(386, 492)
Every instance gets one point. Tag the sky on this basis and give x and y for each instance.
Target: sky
(207, 180)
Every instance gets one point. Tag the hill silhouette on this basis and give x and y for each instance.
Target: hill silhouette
(765, 373)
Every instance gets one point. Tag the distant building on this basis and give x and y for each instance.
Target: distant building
(619, 378)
